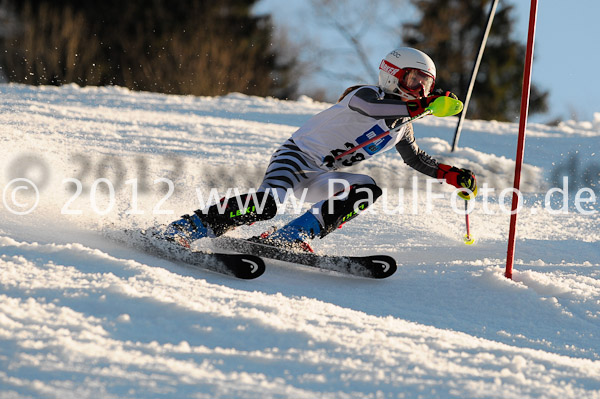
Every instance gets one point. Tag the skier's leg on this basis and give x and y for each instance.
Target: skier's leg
(345, 205)
(288, 168)
(218, 219)
(359, 192)
(289, 171)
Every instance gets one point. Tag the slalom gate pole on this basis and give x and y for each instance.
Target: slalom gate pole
(510, 255)
(474, 74)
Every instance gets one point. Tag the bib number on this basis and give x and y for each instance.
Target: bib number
(348, 160)
(357, 156)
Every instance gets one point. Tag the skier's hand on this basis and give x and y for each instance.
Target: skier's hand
(417, 107)
(440, 92)
(459, 178)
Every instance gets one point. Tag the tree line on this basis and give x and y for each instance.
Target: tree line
(204, 47)
(197, 47)
(450, 31)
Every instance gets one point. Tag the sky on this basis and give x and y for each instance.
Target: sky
(566, 54)
(565, 58)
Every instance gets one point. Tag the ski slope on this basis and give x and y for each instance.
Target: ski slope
(83, 317)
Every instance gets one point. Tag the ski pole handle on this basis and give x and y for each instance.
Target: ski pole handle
(445, 106)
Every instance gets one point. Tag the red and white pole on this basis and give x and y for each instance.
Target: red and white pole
(510, 256)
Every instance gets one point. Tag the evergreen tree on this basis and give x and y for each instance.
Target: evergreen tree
(199, 47)
(450, 32)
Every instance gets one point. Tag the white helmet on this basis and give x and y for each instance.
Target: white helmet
(408, 73)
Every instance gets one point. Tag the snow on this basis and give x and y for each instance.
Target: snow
(83, 317)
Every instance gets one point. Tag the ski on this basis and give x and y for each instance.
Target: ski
(243, 266)
(373, 266)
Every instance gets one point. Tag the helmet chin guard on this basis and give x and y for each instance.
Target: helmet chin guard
(408, 73)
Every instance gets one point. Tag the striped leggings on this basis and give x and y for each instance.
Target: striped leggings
(290, 170)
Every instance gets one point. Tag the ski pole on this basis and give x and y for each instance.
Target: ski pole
(468, 239)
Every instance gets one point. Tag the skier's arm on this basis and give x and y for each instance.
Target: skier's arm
(367, 102)
(419, 160)
(415, 157)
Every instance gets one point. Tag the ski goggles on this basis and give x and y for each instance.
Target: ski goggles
(416, 81)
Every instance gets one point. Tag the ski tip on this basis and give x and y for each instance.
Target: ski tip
(248, 267)
(382, 266)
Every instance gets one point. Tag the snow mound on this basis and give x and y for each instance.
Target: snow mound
(83, 317)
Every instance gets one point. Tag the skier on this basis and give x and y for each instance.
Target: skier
(306, 163)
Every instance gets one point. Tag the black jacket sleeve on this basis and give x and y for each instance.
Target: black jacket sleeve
(373, 104)
(414, 157)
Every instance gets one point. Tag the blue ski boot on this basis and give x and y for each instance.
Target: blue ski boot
(186, 230)
(218, 219)
(295, 235)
